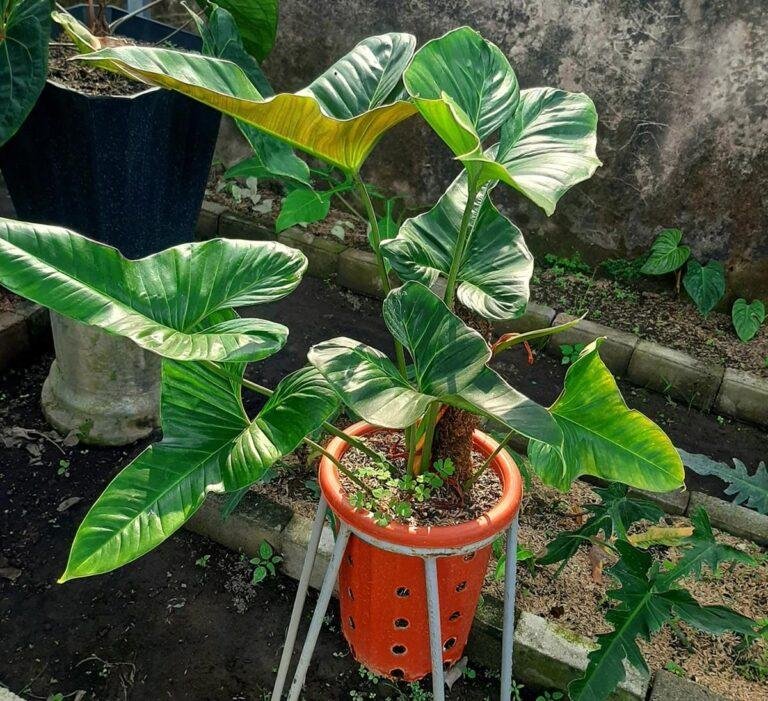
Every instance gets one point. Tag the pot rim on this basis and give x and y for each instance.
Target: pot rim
(478, 530)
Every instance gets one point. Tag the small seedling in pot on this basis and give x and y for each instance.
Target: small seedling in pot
(265, 563)
(571, 352)
(63, 468)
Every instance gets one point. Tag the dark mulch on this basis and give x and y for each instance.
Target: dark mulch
(656, 313)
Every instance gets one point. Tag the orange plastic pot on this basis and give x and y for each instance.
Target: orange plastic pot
(383, 594)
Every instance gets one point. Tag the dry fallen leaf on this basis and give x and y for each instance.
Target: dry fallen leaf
(67, 503)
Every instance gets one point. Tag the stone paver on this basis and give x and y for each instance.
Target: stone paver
(670, 687)
(675, 373)
(743, 395)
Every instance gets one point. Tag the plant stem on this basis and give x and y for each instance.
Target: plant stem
(479, 473)
(461, 245)
(327, 427)
(430, 423)
(354, 478)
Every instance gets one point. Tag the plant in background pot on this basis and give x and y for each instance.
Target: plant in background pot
(125, 164)
(546, 145)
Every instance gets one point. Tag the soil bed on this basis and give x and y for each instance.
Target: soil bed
(655, 313)
(87, 79)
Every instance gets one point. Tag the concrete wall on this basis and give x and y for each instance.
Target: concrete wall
(681, 87)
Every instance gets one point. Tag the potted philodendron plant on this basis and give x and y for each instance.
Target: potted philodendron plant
(416, 472)
(123, 163)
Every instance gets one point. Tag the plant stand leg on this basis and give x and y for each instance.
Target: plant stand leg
(317, 618)
(508, 633)
(301, 596)
(435, 638)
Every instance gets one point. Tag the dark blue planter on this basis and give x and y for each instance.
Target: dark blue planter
(128, 171)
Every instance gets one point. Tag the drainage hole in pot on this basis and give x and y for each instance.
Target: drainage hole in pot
(449, 643)
(397, 673)
(351, 623)
(461, 586)
(455, 616)
(469, 556)
(401, 623)
(402, 592)
(350, 594)
(398, 649)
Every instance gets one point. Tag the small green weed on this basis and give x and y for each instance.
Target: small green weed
(574, 264)
(570, 352)
(675, 669)
(265, 563)
(203, 561)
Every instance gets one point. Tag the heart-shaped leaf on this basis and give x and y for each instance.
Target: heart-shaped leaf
(158, 301)
(449, 366)
(256, 20)
(667, 255)
(464, 88)
(25, 30)
(747, 318)
(496, 269)
(302, 206)
(208, 445)
(603, 437)
(339, 117)
(705, 284)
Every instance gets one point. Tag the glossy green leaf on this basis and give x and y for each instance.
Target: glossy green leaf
(494, 275)
(339, 117)
(667, 255)
(257, 22)
(157, 301)
(705, 284)
(747, 318)
(208, 445)
(449, 366)
(548, 146)
(302, 206)
(603, 437)
(747, 489)
(464, 88)
(25, 30)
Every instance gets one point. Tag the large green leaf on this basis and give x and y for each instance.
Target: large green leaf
(645, 603)
(464, 88)
(25, 29)
(449, 366)
(339, 117)
(752, 489)
(208, 446)
(157, 301)
(705, 284)
(667, 255)
(497, 266)
(603, 437)
(747, 318)
(257, 22)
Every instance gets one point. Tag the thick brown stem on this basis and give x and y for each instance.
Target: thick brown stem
(453, 439)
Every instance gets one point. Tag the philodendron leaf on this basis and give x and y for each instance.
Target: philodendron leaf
(464, 88)
(81, 36)
(449, 366)
(705, 284)
(548, 146)
(208, 445)
(256, 21)
(25, 30)
(750, 490)
(158, 301)
(747, 318)
(646, 602)
(667, 255)
(339, 117)
(603, 437)
(496, 268)
(302, 206)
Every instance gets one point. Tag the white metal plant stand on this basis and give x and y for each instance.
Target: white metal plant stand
(430, 557)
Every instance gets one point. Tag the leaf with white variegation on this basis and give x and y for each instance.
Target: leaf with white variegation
(496, 269)
(339, 117)
(208, 445)
(603, 437)
(158, 301)
(449, 366)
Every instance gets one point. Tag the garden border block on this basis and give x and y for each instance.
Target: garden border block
(21, 330)
(670, 687)
(238, 226)
(726, 516)
(736, 393)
